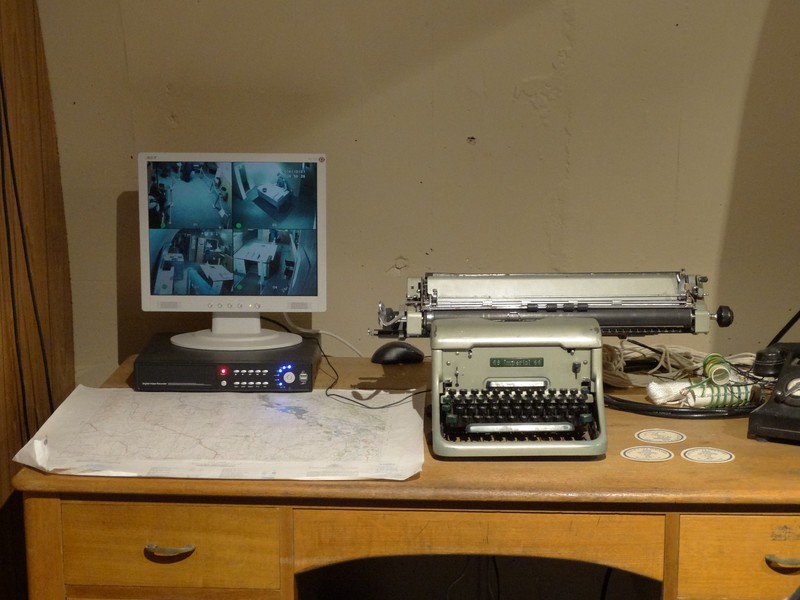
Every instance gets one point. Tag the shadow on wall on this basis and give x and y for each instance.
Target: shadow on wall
(759, 260)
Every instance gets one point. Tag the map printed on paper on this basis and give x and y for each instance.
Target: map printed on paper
(229, 436)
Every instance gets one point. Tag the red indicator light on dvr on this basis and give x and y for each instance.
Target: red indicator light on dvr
(222, 371)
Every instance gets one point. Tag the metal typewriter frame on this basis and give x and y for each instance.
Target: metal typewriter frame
(624, 304)
(466, 315)
(553, 352)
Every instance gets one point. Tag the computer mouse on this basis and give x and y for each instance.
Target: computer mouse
(397, 353)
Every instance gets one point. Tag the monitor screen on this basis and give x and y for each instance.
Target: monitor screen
(233, 235)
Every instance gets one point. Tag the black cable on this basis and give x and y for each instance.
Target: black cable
(25, 253)
(24, 428)
(458, 579)
(785, 328)
(496, 568)
(643, 345)
(606, 583)
(669, 412)
(279, 324)
(360, 403)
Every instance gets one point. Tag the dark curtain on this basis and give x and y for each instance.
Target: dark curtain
(36, 348)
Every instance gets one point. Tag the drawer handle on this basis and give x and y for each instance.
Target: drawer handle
(158, 553)
(782, 564)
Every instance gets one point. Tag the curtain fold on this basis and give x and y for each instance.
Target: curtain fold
(36, 344)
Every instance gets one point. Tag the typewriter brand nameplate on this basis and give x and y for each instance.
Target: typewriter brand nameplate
(516, 362)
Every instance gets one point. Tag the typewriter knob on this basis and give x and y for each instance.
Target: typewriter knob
(723, 316)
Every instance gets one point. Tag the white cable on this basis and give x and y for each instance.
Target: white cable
(665, 393)
(674, 363)
(296, 327)
(701, 394)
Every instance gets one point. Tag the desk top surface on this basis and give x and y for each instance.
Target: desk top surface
(761, 473)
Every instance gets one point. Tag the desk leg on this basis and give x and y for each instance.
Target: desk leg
(672, 530)
(43, 547)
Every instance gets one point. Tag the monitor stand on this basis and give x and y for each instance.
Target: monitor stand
(236, 331)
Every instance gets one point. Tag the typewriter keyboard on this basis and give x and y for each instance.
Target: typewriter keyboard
(527, 414)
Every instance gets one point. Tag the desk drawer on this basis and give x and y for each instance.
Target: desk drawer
(725, 556)
(234, 546)
(631, 542)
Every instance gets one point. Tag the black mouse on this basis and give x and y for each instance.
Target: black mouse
(397, 353)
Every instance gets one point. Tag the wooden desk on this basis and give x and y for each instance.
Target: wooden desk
(702, 529)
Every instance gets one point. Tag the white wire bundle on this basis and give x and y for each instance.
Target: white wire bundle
(674, 363)
(682, 376)
(702, 394)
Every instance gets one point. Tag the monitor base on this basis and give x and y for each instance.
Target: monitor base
(236, 331)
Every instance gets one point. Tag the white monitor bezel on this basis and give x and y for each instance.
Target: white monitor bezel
(232, 304)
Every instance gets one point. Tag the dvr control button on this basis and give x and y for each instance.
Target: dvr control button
(288, 377)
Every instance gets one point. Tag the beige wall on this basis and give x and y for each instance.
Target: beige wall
(466, 135)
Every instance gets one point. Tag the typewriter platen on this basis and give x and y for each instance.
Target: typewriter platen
(517, 359)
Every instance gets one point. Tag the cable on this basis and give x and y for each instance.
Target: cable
(23, 424)
(785, 328)
(655, 410)
(354, 401)
(458, 579)
(606, 583)
(25, 252)
(496, 569)
(328, 333)
(335, 373)
(275, 322)
(635, 364)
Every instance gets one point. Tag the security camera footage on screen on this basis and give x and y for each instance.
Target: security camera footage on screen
(233, 233)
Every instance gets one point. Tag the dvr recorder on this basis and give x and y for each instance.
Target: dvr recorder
(164, 367)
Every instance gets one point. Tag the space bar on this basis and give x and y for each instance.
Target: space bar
(555, 427)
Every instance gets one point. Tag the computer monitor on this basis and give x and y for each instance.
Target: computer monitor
(234, 235)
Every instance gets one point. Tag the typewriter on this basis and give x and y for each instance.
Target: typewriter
(517, 358)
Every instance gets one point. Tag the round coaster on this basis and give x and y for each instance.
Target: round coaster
(707, 455)
(660, 436)
(646, 454)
